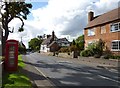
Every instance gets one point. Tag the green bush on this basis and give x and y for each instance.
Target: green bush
(96, 48)
(97, 56)
(86, 53)
(114, 57)
(107, 56)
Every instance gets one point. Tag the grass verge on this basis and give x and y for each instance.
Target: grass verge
(16, 79)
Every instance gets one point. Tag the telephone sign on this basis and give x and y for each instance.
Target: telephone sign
(11, 55)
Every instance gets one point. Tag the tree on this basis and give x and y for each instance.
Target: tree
(80, 42)
(77, 44)
(13, 10)
(21, 48)
(73, 42)
(34, 44)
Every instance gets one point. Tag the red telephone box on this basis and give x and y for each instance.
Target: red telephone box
(11, 55)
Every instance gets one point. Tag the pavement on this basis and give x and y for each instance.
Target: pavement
(38, 79)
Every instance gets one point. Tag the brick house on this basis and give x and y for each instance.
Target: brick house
(106, 27)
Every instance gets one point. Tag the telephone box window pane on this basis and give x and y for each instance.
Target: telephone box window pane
(11, 55)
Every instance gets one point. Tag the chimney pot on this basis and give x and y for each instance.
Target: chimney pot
(90, 16)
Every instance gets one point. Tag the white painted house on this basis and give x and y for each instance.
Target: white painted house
(45, 44)
(52, 43)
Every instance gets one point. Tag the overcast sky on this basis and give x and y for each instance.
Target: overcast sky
(67, 18)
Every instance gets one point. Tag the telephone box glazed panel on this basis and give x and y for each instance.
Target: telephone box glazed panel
(11, 55)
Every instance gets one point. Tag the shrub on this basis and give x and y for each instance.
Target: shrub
(114, 57)
(85, 53)
(107, 56)
(97, 56)
(72, 48)
(63, 50)
(96, 48)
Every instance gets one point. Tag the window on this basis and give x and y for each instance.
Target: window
(115, 27)
(116, 45)
(43, 47)
(91, 32)
(103, 29)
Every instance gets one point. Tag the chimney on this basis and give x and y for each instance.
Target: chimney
(90, 16)
(53, 35)
(48, 36)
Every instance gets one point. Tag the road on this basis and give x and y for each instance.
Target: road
(62, 72)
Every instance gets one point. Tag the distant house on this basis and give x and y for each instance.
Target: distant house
(63, 42)
(52, 43)
(106, 27)
(49, 44)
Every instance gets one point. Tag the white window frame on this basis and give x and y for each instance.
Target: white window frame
(118, 45)
(112, 27)
(91, 30)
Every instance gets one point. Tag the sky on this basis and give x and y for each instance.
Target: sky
(67, 18)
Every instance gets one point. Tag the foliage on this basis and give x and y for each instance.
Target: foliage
(80, 42)
(20, 62)
(86, 53)
(114, 57)
(97, 56)
(21, 49)
(72, 48)
(73, 42)
(63, 50)
(110, 56)
(94, 49)
(34, 44)
(97, 47)
(16, 9)
(16, 79)
(107, 56)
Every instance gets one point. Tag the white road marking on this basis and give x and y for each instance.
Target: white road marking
(45, 77)
(41, 72)
(109, 78)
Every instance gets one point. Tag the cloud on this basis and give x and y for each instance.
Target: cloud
(65, 17)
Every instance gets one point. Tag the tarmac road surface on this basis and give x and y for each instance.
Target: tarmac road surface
(62, 72)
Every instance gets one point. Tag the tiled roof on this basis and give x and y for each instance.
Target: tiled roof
(46, 41)
(105, 18)
(52, 43)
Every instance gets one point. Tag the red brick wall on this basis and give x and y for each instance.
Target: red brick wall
(107, 37)
(54, 47)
